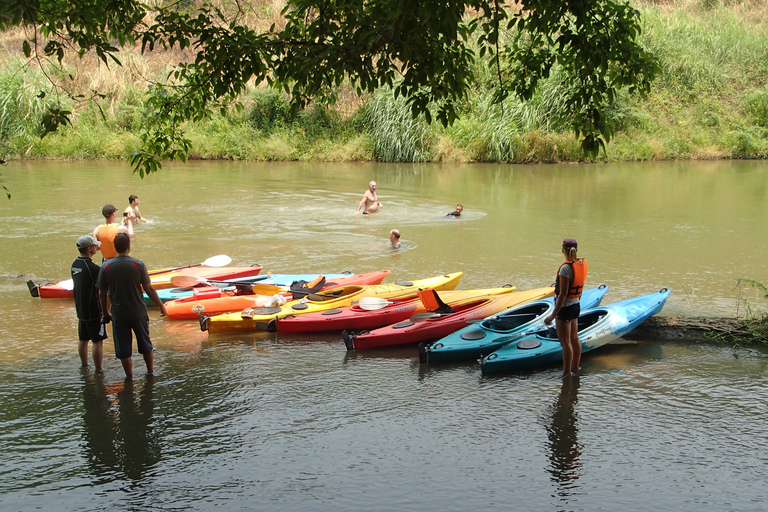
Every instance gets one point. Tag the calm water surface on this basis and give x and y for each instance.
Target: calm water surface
(275, 422)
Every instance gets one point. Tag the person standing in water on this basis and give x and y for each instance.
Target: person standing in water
(134, 215)
(370, 201)
(106, 233)
(89, 326)
(568, 287)
(122, 280)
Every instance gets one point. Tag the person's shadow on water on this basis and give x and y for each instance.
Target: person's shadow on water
(562, 432)
(119, 435)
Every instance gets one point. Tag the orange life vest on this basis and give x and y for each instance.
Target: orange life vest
(107, 234)
(579, 277)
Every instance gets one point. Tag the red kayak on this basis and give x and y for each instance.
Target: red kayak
(373, 312)
(440, 322)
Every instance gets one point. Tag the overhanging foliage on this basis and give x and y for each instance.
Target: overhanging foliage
(425, 50)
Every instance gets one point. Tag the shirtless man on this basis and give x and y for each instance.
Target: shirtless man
(369, 200)
(134, 215)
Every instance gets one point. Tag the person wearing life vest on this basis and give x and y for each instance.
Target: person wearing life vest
(106, 233)
(568, 286)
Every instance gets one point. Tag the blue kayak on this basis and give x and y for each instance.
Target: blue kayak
(496, 331)
(597, 327)
(181, 292)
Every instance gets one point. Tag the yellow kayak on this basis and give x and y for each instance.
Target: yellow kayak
(329, 299)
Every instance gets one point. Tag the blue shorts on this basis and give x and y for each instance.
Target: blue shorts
(569, 313)
(91, 330)
(121, 332)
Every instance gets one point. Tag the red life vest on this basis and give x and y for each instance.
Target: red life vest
(576, 285)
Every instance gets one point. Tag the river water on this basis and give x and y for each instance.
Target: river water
(262, 421)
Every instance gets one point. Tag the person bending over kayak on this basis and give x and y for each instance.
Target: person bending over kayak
(370, 201)
(568, 286)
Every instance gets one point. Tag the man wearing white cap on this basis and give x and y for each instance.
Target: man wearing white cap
(90, 328)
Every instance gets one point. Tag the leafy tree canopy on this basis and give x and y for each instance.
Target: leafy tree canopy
(425, 50)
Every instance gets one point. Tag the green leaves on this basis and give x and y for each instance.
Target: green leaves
(426, 51)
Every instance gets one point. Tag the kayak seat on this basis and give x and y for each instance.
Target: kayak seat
(433, 303)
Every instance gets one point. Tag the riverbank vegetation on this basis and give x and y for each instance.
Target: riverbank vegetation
(709, 101)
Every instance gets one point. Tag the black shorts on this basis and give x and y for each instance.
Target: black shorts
(91, 330)
(121, 332)
(569, 312)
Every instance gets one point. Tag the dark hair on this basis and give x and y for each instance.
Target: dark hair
(131, 198)
(122, 242)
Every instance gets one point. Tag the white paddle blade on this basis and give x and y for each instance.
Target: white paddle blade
(222, 260)
(67, 284)
(186, 281)
(372, 303)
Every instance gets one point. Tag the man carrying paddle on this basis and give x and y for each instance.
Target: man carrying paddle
(122, 279)
(105, 233)
(369, 200)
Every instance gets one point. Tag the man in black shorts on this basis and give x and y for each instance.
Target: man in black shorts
(89, 326)
(123, 279)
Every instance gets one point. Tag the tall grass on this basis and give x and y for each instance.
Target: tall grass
(711, 101)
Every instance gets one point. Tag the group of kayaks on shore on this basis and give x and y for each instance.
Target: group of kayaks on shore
(501, 327)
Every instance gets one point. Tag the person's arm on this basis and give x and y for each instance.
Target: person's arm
(106, 317)
(564, 286)
(362, 202)
(137, 213)
(152, 294)
(96, 233)
(127, 228)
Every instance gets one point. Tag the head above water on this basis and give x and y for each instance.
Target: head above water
(133, 198)
(394, 234)
(372, 186)
(459, 208)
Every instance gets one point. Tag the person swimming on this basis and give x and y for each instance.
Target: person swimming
(457, 211)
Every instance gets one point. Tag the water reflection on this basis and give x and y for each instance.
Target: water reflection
(119, 435)
(564, 448)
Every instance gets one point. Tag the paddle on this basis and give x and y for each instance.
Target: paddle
(420, 317)
(268, 289)
(373, 303)
(221, 260)
(189, 281)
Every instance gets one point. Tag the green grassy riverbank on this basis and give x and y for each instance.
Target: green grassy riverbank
(709, 102)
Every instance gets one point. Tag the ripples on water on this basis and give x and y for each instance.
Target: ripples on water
(299, 424)
(270, 422)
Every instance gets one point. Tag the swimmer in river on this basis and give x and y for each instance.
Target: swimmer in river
(370, 201)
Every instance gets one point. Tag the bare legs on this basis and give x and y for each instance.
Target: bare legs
(568, 335)
(97, 352)
(149, 360)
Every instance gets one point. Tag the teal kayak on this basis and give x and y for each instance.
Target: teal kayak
(597, 327)
(476, 340)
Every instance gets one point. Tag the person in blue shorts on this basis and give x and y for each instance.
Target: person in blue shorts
(89, 326)
(122, 279)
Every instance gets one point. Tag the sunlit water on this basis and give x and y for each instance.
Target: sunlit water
(275, 422)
